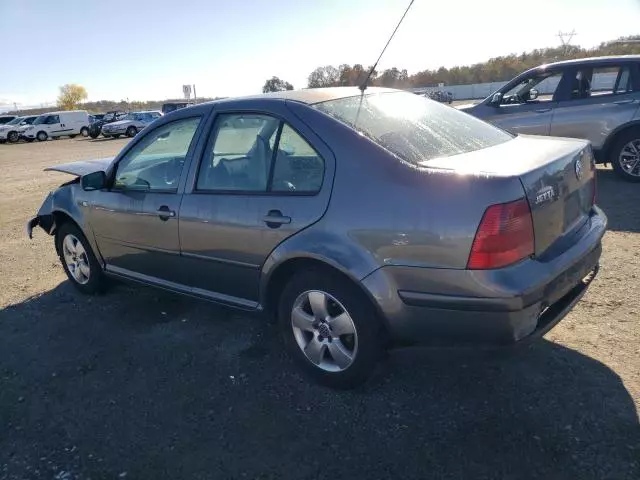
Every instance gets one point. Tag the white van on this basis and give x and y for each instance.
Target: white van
(57, 124)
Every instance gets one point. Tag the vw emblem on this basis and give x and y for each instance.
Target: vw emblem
(579, 169)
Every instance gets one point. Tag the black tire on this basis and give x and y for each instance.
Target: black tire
(369, 338)
(13, 137)
(97, 281)
(623, 140)
(94, 135)
(84, 131)
(42, 136)
(131, 132)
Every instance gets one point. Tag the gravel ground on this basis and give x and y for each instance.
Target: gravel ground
(143, 384)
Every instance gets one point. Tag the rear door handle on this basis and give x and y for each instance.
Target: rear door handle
(274, 219)
(543, 110)
(624, 102)
(165, 213)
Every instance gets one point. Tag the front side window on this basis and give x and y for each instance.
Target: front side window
(53, 120)
(239, 158)
(414, 128)
(156, 162)
(40, 120)
(539, 89)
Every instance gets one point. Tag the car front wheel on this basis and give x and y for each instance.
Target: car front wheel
(626, 156)
(131, 132)
(78, 260)
(330, 328)
(42, 136)
(13, 137)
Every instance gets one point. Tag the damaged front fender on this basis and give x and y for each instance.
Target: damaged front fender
(44, 218)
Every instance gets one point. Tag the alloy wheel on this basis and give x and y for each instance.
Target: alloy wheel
(629, 158)
(324, 331)
(75, 257)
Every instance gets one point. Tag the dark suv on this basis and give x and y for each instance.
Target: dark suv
(597, 99)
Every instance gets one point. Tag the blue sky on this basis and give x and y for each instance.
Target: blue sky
(147, 49)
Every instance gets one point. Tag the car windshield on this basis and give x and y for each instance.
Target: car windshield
(412, 127)
(15, 121)
(41, 119)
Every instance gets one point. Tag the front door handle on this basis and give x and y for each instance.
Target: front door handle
(274, 219)
(624, 102)
(165, 213)
(543, 110)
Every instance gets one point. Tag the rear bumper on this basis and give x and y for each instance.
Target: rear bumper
(490, 307)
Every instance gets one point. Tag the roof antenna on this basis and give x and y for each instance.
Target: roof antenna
(363, 87)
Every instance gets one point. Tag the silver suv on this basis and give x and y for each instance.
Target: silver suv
(596, 99)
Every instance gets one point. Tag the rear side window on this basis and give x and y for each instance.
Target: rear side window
(412, 127)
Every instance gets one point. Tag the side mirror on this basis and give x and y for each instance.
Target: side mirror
(93, 181)
(497, 99)
(533, 94)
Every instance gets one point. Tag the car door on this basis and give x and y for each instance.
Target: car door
(53, 126)
(605, 97)
(135, 222)
(262, 178)
(528, 106)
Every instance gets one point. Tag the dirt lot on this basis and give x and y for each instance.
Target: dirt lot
(142, 384)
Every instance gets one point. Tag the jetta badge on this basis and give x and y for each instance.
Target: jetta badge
(545, 194)
(579, 168)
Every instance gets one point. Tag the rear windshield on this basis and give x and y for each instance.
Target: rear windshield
(412, 127)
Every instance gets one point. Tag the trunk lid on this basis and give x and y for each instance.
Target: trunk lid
(557, 175)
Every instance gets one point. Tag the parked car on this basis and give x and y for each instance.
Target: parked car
(95, 128)
(173, 106)
(6, 118)
(130, 124)
(11, 131)
(593, 98)
(440, 96)
(417, 223)
(58, 124)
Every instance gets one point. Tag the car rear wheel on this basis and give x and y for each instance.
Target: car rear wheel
(42, 136)
(132, 131)
(625, 156)
(78, 260)
(330, 328)
(84, 131)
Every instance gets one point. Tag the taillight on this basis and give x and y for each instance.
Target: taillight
(505, 236)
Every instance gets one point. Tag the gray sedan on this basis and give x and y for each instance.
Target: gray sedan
(357, 220)
(130, 125)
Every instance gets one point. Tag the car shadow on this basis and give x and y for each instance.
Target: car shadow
(159, 386)
(614, 192)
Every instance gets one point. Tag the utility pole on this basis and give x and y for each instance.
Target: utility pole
(565, 39)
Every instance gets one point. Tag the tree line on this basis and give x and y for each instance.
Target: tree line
(493, 70)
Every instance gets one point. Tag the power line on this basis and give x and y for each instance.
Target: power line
(565, 39)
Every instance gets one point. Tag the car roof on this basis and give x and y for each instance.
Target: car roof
(590, 61)
(308, 96)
